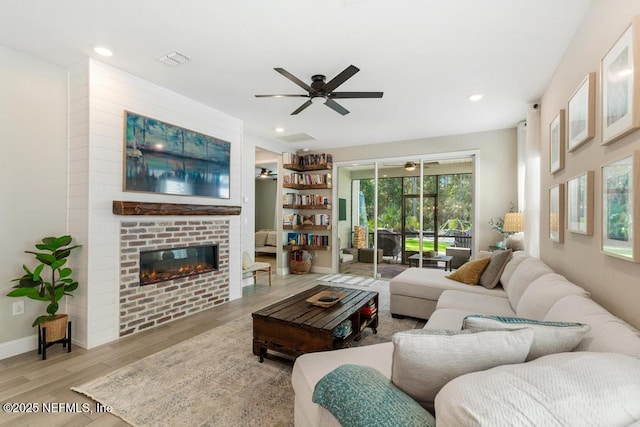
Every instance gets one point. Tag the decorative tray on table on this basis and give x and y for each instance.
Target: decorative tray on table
(326, 298)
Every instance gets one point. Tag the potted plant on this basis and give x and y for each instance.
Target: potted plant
(49, 285)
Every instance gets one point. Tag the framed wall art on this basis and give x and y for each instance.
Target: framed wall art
(620, 86)
(168, 159)
(556, 143)
(580, 204)
(581, 113)
(620, 206)
(556, 213)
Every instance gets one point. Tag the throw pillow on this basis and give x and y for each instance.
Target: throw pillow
(272, 239)
(492, 273)
(548, 337)
(425, 360)
(470, 272)
(261, 238)
(361, 396)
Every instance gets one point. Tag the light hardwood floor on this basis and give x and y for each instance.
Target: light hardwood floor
(28, 379)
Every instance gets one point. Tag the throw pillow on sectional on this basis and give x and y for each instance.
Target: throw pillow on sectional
(425, 360)
(470, 272)
(548, 337)
(361, 396)
(497, 261)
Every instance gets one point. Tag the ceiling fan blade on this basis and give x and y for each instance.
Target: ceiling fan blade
(302, 107)
(294, 79)
(281, 96)
(340, 78)
(344, 95)
(335, 106)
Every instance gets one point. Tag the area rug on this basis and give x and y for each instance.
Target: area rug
(348, 280)
(212, 379)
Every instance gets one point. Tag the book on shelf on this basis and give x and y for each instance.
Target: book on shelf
(298, 239)
(305, 199)
(307, 159)
(368, 311)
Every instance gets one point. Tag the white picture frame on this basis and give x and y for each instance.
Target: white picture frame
(580, 203)
(556, 213)
(621, 208)
(620, 71)
(581, 126)
(556, 142)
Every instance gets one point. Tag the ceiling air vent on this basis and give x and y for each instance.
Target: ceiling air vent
(173, 58)
(297, 137)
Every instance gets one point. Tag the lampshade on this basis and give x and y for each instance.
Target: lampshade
(409, 166)
(513, 222)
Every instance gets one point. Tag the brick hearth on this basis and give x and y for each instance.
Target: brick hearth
(142, 307)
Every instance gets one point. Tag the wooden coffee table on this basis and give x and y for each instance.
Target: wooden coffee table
(294, 327)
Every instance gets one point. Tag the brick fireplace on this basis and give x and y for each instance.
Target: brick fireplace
(142, 307)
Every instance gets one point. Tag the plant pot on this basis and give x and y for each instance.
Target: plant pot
(55, 329)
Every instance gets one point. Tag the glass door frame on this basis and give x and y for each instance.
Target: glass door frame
(425, 158)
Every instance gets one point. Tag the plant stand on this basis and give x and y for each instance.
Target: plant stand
(43, 344)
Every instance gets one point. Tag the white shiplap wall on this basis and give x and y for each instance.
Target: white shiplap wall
(96, 137)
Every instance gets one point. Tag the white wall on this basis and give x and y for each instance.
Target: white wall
(99, 94)
(33, 184)
(612, 282)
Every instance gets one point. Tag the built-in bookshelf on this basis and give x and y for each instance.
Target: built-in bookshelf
(306, 203)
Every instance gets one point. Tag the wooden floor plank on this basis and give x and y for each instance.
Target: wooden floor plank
(27, 378)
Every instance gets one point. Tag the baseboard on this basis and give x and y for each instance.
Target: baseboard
(19, 346)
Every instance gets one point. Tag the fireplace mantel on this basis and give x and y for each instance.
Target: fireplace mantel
(121, 207)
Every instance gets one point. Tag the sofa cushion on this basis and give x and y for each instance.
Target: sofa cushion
(310, 367)
(470, 272)
(543, 292)
(474, 303)
(491, 275)
(272, 239)
(261, 238)
(429, 283)
(564, 389)
(360, 396)
(608, 333)
(528, 271)
(548, 337)
(425, 360)
(516, 259)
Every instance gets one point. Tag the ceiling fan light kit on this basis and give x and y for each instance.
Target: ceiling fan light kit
(410, 166)
(321, 91)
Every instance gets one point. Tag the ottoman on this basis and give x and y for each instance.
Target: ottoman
(366, 255)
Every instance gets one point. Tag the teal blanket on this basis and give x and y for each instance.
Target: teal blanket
(360, 396)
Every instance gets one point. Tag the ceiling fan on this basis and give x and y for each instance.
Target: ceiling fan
(266, 173)
(324, 91)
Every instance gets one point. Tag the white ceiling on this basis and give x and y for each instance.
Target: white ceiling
(427, 56)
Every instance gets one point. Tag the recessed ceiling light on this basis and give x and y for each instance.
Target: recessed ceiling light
(279, 130)
(475, 97)
(103, 51)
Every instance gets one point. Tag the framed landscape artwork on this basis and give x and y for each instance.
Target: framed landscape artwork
(581, 113)
(168, 159)
(556, 213)
(580, 204)
(620, 206)
(620, 87)
(556, 143)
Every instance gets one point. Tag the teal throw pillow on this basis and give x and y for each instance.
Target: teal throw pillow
(360, 396)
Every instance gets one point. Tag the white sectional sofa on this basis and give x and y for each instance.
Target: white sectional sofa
(598, 383)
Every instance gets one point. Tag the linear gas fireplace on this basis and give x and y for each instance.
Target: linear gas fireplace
(168, 264)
